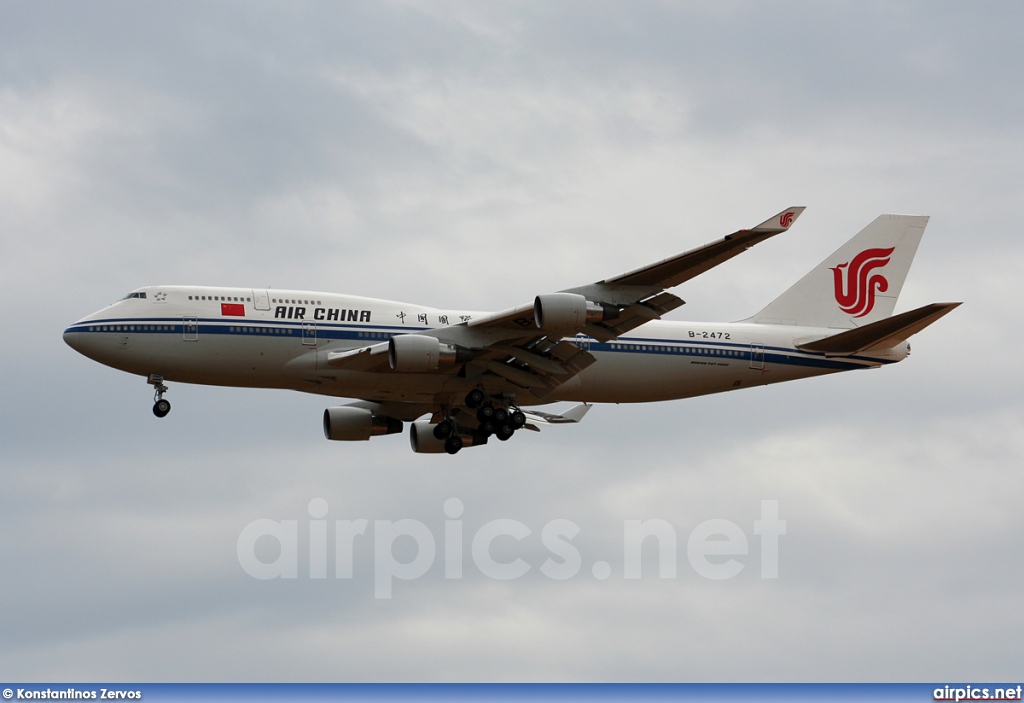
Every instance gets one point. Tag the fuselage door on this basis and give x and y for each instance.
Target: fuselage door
(260, 299)
(757, 357)
(309, 333)
(190, 329)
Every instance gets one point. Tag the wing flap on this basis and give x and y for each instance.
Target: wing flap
(518, 376)
(541, 363)
(529, 369)
(574, 358)
(633, 316)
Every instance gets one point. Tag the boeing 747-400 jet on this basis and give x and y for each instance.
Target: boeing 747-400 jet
(461, 377)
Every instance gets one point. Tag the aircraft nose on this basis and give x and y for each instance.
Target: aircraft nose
(87, 339)
(81, 338)
(73, 338)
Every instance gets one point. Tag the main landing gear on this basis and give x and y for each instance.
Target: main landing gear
(448, 431)
(160, 406)
(499, 420)
(494, 417)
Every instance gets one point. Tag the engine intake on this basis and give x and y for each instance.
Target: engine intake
(351, 424)
(422, 439)
(417, 352)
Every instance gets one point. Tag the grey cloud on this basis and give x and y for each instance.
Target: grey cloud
(470, 155)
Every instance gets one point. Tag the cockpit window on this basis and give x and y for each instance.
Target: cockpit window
(135, 295)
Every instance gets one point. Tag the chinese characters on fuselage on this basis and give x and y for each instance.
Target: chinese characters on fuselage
(299, 312)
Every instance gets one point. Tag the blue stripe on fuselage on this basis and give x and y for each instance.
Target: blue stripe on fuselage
(242, 327)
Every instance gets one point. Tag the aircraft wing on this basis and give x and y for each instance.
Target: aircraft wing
(630, 299)
(535, 362)
(373, 357)
(639, 283)
(526, 347)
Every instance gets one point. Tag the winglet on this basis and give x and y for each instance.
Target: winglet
(781, 222)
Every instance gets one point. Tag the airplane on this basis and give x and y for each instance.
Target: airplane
(461, 377)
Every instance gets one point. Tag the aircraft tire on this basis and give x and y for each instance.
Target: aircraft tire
(161, 408)
(475, 398)
(443, 429)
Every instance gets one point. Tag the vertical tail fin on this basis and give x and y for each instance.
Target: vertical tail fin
(858, 284)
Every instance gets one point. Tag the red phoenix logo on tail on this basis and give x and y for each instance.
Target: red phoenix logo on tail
(786, 220)
(856, 295)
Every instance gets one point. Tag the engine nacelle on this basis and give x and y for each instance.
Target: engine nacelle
(417, 352)
(423, 441)
(351, 424)
(568, 312)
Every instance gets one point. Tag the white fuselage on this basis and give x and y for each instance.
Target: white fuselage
(281, 339)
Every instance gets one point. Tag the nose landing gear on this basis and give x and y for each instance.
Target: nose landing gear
(160, 406)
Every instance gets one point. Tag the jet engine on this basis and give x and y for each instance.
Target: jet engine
(417, 352)
(424, 441)
(349, 423)
(568, 312)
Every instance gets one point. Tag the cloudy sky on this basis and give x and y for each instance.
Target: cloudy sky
(474, 155)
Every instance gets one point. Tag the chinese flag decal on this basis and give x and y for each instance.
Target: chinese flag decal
(232, 309)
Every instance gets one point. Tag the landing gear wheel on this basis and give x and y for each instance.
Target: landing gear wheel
(485, 413)
(444, 429)
(475, 398)
(504, 432)
(500, 415)
(453, 444)
(160, 406)
(517, 418)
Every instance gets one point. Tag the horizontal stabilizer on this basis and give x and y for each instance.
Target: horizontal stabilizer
(572, 415)
(883, 334)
